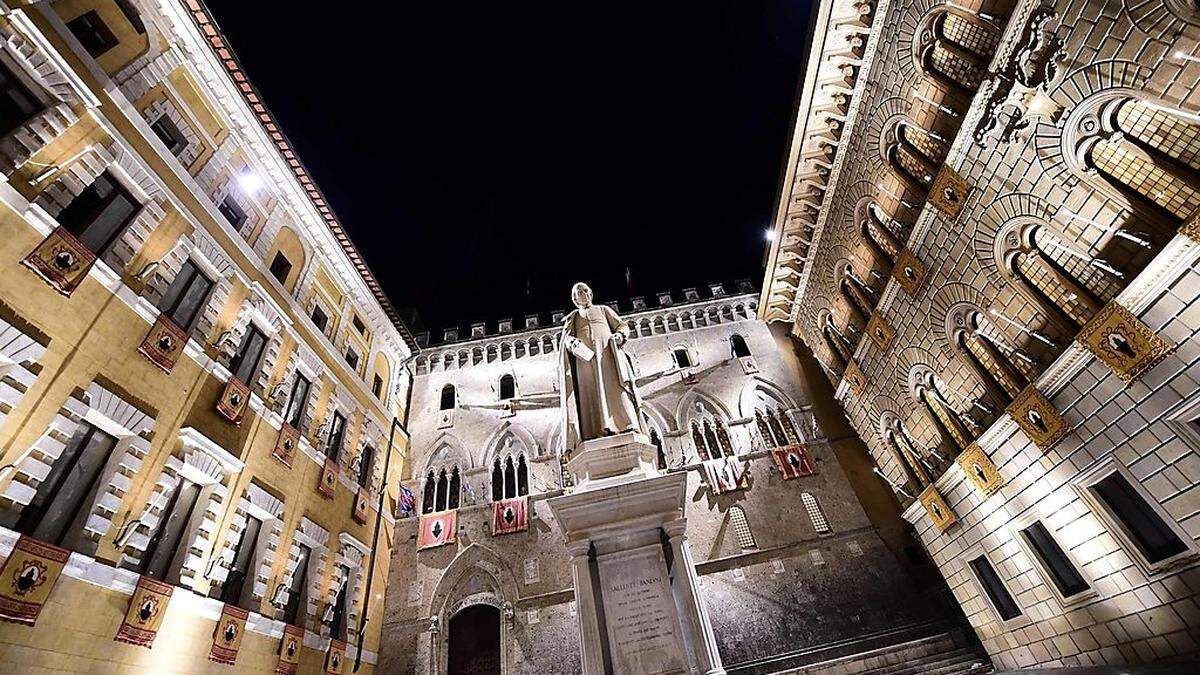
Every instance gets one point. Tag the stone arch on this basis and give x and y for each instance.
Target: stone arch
(687, 407)
(477, 575)
(748, 398)
(445, 449)
(497, 442)
(987, 240)
(948, 298)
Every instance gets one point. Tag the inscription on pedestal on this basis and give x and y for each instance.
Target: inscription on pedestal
(643, 628)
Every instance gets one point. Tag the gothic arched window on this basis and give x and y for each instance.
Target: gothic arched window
(448, 398)
(510, 477)
(711, 439)
(656, 441)
(738, 344)
(428, 495)
(443, 489)
(452, 499)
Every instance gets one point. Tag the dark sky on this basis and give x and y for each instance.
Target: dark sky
(485, 157)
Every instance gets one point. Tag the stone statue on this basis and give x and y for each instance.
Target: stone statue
(597, 391)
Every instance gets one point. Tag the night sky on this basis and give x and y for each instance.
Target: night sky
(485, 158)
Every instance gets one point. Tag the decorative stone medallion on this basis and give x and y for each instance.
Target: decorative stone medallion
(362, 505)
(1036, 416)
(949, 192)
(980, 470)
(1125, 344)
(937, 508)
(909, 272)
(855, 378)
(327, 483)
(880, 332)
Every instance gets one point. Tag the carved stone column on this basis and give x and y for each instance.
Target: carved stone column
(703, 639)
(589, 628)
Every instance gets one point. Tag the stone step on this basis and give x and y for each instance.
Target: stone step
(960, 660)
(922, 655)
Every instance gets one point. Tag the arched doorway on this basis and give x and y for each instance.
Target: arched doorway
(475, 641)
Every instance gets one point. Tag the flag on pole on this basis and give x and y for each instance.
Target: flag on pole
(408, 502)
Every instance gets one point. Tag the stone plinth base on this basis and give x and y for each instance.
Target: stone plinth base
(636, 591)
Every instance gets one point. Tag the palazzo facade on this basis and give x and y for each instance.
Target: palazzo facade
(989, 235)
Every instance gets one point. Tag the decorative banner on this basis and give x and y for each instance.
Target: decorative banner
(908, 272)
(939, 512)
(28, 576)
(362, 505)
(880, 332)
(726, 475)
(1125, 344)
(285, 444)
(61, 260)
(446, 419)
(164, 343)
(233, 401)
(227, 636)
(145, 612)
(855, 378)
(508, 409)
(980, 470)
(510, 515)
(948, 192)
(1036, 416)
(792, 461)
(289, 650)
(749, 365)
(437, 529)
(335, 657)
(327, 482)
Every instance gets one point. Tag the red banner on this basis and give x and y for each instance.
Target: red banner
(362, 506)
(437, 529)
(510, 515)
(726, 475)
(145, 612)
(285, 444)
(792, 461)
(227, 637)
(335, 657)
(61, 260)
(164, 343)
(233, 401)
(28, 576)
(327, 483)
(289, 650)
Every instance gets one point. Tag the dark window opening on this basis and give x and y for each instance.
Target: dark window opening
(508, 387)
(358, 324)
(377, 387)
(163, 555)
(522, 477)
(100, 213)
(682, 358)
(1149, 532)
(337, 432)
(59, 503)
(17, 103)
(92, 33)
(186, 296)
(447, 397)
(297, 401)
(351, 358)
(296, 590)
(319, 318)
(235, 591)
(1063, 572)
(1001, 599)
(281, 267)
(429, 497)
(656, 441)
(232, 212)
(455, 489)
(738, 345)
(366, 465)
(245, 363)
(168, 132)
(131, 13)
(337, 627)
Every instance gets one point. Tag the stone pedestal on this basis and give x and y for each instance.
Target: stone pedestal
(637, 596)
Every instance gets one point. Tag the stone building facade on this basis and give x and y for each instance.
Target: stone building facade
(792, 571)
(198, 374)
(989, 236)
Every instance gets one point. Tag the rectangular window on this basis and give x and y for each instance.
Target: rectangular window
(1152, 536)
(366, 465)
(1054, 560)
(61, 499)
(168, 132)
(17, 103)
(337, 627)
(1006, 607)
(163, 557)
(358, 324)
(297, 596)
(100, 213)
(377, 387)
(337, 430)
(245, 363)
(235, 591)
(352, 358)
(185, 298)
(281, 267)
(92, 33)
(232, 212)
(298, 401)
(319, 318)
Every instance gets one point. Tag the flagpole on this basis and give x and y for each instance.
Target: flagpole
(362, 625)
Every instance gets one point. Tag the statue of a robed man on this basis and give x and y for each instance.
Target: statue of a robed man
(597, 389)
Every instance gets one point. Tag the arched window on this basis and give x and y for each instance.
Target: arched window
(839, 346)
(1003, 380)
(455, 489)
(508, 387)
(819, 523)
(683, 358)
(775, 427)
(944, 417)
(656, 441)
(522, 477)
(1040, 265)
(711, 439)
(909, 461)
(856, 295)
(880, 236)
(448, 397)
(428, 498)
(741, 528)
(914, 155)
(954, 49)
(738, 344)
(497, 480)
(510, 477)
(443, 489)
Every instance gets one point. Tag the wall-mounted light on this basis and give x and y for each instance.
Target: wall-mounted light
(249, 181)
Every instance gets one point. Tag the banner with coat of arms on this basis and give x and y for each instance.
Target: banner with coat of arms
(335, 657)
(145, 613)
(327, 483)
(227, 636)
(792, 461)
(163, 344)
(510, 515)
(289, 650)
(726, 475)
(28, 576)
(285, 444)
(61, 260)
(234, 399)
(437, 529)
(362, 506)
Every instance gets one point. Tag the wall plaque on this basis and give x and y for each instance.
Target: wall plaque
(980, 470)
(880, 332)
(1037, 418)
(1125, 344)
(937, 508)
(949, 192)
(908, 272)
(639, 610)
